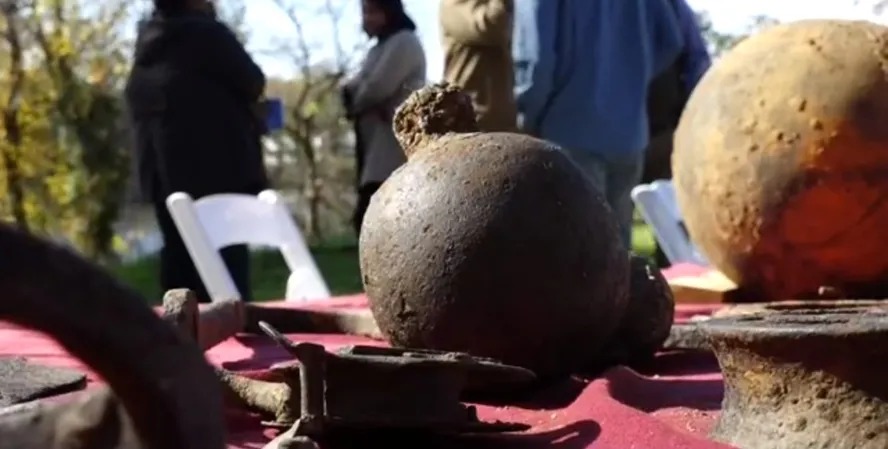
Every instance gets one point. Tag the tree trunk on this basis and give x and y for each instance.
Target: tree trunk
(11, 122)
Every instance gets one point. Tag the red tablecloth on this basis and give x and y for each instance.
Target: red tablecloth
(673, 406)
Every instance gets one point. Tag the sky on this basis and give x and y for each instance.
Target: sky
(271, 28)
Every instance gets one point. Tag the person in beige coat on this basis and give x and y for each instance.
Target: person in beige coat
(477, 38)
(394, 67)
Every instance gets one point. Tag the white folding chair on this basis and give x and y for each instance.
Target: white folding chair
(657, 204)
(216, 221)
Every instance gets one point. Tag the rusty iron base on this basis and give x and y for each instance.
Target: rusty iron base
(806, 306)
(803, 376)
(685, 336)
(367, 389)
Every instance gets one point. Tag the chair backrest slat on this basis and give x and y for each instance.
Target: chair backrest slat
(217, 221)
(657, 204)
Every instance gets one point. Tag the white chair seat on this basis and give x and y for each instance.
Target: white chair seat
(217, 221)
(657, 204)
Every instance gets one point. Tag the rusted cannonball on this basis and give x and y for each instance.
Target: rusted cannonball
(781, 161)
(492, 244)
(648, 317)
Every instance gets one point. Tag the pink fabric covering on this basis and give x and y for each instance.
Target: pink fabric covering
(672, 405)
(685, 269)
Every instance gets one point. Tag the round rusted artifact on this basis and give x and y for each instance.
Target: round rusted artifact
(648, 317)
(803, 378)
(781, 163)
(491, 244)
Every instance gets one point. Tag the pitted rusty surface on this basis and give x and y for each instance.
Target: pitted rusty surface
(431, 113)
(372, 391)
(493, 244)
(363, 385)
(781, 164)
(803, 378)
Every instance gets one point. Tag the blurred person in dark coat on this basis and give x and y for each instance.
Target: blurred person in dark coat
(192, 95)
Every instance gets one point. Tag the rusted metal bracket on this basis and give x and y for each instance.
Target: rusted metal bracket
(371, 389)
(803, 376)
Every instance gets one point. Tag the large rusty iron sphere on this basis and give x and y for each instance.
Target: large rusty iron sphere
(781, 160)
(492, 244)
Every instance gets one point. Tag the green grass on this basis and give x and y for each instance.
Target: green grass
(337, 260)
(643, 242)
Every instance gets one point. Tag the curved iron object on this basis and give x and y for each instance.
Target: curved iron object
(804, 376)
(168, 391)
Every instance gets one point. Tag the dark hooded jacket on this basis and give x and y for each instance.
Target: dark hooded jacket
(191, 95)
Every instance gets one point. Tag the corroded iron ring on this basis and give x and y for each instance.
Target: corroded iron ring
(803, 377)
(165, 395)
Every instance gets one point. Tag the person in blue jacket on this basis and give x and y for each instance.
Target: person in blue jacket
(583, 68)
(694, 59)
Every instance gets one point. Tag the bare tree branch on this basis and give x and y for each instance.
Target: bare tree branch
(311, 126)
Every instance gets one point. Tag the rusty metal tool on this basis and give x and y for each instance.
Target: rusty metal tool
(212, 323)
(803, 376)
(484, 375)
(358, 322)
(369, 389)
(362, 388)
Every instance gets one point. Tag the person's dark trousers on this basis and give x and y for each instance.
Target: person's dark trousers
(177, 269)
(365, 192)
